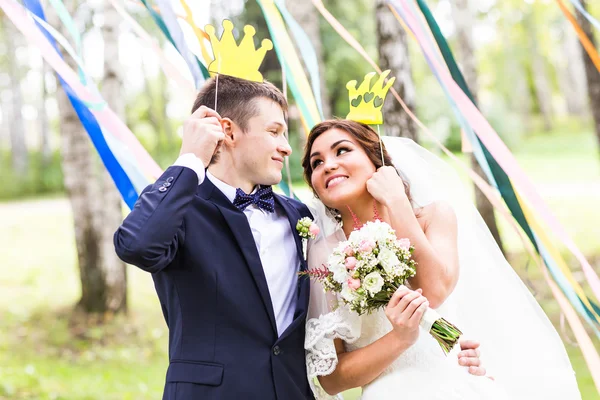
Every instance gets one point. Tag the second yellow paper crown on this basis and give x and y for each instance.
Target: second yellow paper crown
(366, 101)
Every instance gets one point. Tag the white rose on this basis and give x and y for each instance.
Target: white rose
(356, 237)
(382, 232)
(348, 294)
(388, 259)
(373, 283)
(340, 274)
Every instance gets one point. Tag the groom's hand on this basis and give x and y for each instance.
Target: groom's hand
(469, 357)
(202, 134)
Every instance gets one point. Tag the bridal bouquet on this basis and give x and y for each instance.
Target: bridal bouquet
(369, 267)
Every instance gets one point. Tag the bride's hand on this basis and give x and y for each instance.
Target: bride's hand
(386, 186)
(405, 310)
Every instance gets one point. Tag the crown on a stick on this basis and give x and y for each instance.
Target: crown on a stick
(240, 61)
(366, 102)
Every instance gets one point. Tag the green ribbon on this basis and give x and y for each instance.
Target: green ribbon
(502, 180)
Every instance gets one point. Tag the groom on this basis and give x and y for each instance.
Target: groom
(224, 253)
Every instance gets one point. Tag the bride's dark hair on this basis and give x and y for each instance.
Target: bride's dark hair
(366, 138)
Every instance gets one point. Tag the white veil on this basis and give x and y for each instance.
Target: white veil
(519, 346)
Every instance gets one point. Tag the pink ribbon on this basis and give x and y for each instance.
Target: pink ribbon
(105, 116)
(500, 152)
(168, 67)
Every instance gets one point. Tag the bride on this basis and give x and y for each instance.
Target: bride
(460, 272)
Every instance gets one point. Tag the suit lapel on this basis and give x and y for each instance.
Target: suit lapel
(293, 216)
(238, 224)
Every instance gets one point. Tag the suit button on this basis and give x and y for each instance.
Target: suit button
(276, 350)
(170, 179)
(166, 184)
(162, 189)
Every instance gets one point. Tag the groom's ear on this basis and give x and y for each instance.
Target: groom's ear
(228, 129)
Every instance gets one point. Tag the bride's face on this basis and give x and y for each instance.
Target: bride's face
(340, 167)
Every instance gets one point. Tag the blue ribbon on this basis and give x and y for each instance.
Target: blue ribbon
(90, 124)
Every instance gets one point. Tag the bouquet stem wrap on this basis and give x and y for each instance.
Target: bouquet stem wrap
(446, 334)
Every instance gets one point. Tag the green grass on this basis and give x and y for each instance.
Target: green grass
(46, 353)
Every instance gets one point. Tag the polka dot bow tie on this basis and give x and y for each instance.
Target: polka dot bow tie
(263, 198)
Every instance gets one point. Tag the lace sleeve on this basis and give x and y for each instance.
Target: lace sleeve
(326, 322)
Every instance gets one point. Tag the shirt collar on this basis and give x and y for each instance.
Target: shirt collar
(228, 190)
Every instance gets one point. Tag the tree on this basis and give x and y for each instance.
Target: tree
(20, 159)
(592, 74)
(393, 54)
(113, 290)
(305, 13)
(463, 19)
(539, 73)
(571, 73)
(44, 125)
(95, 205)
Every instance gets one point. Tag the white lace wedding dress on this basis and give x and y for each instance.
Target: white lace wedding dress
(519, 346)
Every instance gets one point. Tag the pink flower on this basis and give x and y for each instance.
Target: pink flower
(349, 252)
(314, 230)
(404, 243)
(350, 263)
(367, 246)
(353, 283)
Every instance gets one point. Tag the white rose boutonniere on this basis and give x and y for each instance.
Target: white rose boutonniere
(307, 229)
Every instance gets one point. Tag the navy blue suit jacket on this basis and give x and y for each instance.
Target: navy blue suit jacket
(223, 341)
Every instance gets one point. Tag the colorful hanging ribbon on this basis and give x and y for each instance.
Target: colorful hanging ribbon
(81, 95)
(15, 12)
(309, 55)
(506, 188)
(501, 153)
(296, 78)
(172, 31)
(200, 34)
(585, 41)
(168, 67)
(586, 14)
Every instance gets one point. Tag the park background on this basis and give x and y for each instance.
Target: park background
(67, 334)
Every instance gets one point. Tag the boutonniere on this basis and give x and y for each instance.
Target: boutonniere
(307, 229)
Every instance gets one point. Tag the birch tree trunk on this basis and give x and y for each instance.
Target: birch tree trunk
(392, 46)
(44, 125)
(463, 19)
(571, 77)
(18, 146)
(592, 74)
(305, 13)
(541, 83)
(96, 209)
(110, 212)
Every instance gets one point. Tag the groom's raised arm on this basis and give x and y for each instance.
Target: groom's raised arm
(151, 234)
(153, 231)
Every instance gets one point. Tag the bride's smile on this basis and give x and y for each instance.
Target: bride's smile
(340, 168)
(335, 180)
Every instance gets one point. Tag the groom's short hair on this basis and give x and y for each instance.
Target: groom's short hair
(235, 98)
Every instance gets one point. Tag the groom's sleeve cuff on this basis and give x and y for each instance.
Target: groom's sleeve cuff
(192, 162)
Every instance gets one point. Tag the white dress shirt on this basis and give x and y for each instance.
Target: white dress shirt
(274, 239)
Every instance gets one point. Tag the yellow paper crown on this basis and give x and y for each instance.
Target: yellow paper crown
(239, 61)
(366, 101)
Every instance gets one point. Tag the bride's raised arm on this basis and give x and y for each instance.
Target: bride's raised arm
(432, 232)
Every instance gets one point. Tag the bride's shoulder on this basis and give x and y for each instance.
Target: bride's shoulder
(436, 212)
